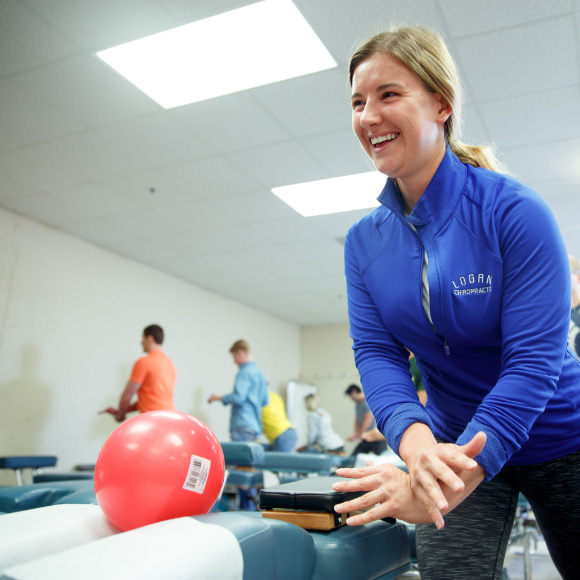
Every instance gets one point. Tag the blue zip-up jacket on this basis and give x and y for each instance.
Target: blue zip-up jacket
(495, 357)
(249, 396)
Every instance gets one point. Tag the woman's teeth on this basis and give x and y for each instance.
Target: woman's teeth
(382, 138)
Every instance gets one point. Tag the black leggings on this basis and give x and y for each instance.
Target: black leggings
(474, 540)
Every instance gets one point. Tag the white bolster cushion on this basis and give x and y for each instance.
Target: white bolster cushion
(178, 549)
(39, 532)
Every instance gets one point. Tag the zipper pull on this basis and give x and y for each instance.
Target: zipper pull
(446, 348)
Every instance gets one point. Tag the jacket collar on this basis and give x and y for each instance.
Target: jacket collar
(438, 201)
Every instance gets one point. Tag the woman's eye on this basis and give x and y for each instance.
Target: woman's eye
(389, 94)
(356, 104)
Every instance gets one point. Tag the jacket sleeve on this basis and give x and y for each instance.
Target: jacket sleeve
(241, 387)
(382, 361)
(535, 317)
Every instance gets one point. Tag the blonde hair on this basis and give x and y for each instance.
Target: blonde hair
(425, 53)
(312, 402)
(574, 263)
(240, 345)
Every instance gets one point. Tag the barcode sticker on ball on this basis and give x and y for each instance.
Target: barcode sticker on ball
(197, 474)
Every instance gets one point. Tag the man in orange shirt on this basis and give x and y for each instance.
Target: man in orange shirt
(152, 379)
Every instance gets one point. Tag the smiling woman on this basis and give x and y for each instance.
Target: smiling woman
(450, 266)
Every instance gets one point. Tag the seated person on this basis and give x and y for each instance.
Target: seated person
(279, 431)
(320, 432)
(364, 422)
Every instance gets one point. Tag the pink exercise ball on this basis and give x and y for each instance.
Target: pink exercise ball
(157, 466)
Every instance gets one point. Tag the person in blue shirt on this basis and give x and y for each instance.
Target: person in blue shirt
(465, 266)
(250, 394)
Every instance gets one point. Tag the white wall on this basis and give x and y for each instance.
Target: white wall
(71, 317)
(327, 361)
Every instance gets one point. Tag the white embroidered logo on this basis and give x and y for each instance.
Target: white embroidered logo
(472, 284)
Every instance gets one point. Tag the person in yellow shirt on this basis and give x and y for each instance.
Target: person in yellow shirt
(277, 428)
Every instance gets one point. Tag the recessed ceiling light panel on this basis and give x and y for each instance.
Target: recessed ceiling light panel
(259, 44)
(333, 195)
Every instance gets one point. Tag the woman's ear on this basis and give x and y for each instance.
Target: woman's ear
(445, 109)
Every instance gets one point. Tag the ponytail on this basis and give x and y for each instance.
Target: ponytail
(478, 156)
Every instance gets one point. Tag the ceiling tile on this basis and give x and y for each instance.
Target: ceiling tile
(46, 209)
(16, 165)
(277, 165)
(293, 229)
(201, 9)
(353, 22)
(311, 104)
(95, 199)
(520, 61)
(86, 90)
(311, 251)
(336, 225)
(115, 21)
(27, 119)
(470, 17)
(474, 131)
(11, 187)
(546, 162)
(157, 140)
(520, 121)
(339, 152)
(27, 41)
(231, 123)
(183, 182)
(98, 232)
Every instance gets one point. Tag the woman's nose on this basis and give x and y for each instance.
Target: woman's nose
(370, 116)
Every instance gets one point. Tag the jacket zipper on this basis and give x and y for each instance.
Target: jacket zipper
(441, 339)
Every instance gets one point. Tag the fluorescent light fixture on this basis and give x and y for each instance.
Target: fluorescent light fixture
(333, 195)
(263, 43)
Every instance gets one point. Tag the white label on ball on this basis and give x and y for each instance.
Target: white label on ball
(197, 474)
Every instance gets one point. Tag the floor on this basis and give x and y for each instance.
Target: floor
(541, 566)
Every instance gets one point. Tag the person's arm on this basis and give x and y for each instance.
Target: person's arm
(125, 405)
(382, 361)
(372, 435)
(367, 422)
(242, 386)
(383, 364)
(356, 433)
(535, 317)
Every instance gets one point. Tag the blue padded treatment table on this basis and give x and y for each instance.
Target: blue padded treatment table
(82, 496)
(32, 462)
(321, 463)
(48, 477)
(240, 454)
(25, 497)
(272, 550)
(377, 550)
